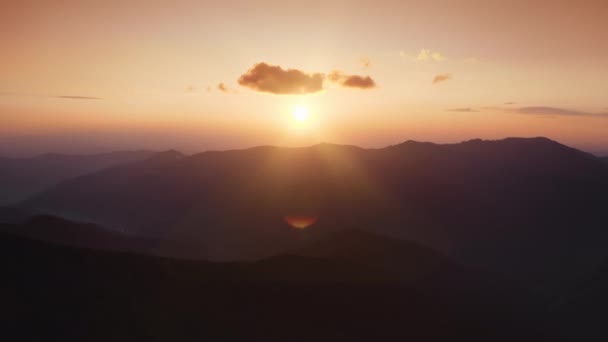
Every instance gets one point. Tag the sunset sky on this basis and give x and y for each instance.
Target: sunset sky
(92, 76)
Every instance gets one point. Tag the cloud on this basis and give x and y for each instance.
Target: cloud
(510, 103)
(464, 110)
(276, 80)
(222, 87)
(356, 81)
(442, 78)
(554, 111)
(191, 89)
(74, 97)
(428, 55)
(351, 81)
(50, 96)
(225, 89)
(366, 63)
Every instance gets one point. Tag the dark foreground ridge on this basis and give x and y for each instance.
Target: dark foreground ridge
(78, 294)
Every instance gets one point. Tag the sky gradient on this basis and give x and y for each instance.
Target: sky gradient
(82, 77)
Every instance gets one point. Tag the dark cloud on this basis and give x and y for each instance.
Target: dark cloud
(441, 78)
(554, 111)
(73, 97)
(465, 110)
(351, 81)
(510, 103)
(276, 80)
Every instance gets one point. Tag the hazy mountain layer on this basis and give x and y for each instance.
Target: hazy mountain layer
(23, 177)
(530, 208)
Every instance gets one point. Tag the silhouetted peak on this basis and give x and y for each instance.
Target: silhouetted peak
(414, 144)
(325, 145)
(512, 141)
(528, 141)
(502, 147)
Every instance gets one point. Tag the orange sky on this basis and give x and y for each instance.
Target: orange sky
(80, 76)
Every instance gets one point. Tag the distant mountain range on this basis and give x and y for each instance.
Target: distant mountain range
(532, 209)
(64, 232)
(23, 177)
(345, 291)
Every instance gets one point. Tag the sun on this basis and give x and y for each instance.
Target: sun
(300, 114)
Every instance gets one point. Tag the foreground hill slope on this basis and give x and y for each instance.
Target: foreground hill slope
(531, 208)
(581, 311)
(81, 294)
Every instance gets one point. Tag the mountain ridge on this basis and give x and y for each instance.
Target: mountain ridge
(443, 196)
(155, 296)
(23, 177)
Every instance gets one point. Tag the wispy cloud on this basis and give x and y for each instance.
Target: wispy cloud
(67, 97)
(555, 111)
(222, 87)
(225, 89)
(509, 103)
(191, 89)
(441, 78)
(428, 55)
(365, 62)
(464, 110)
(75, 97)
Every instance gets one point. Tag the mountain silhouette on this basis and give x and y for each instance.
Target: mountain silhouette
(529, 208)
(61, 231)
(11, 215)
(579, 313)
(401, 258)
(23, 177)
(109, 295)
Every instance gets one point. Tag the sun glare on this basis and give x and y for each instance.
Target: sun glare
(300, 114)
(300, 222)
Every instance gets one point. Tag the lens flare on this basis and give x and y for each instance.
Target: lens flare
(300, 222)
